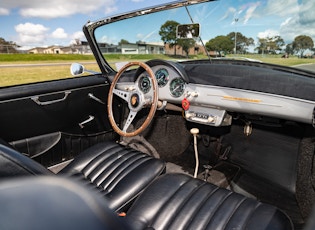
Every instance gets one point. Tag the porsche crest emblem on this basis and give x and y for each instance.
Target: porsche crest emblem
(134, 100)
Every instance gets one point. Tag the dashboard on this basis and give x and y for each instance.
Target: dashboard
(174, 89)
(213, 105)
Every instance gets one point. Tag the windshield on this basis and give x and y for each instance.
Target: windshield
(276, 32)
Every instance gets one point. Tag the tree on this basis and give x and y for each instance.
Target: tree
(186, 44)
(219, 44)
(289, 49)
(270, 44)
(302, 43)
(123, 41)
(274, 44)
(8, 46)
(242, 42)
(168, 34)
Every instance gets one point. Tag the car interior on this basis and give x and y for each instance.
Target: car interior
(245, 174)
(160, 144)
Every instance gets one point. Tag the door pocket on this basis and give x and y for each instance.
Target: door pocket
(35, 146)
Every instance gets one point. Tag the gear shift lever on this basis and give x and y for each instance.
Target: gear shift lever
(194, 132)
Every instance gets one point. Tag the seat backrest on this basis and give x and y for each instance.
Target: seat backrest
(13, 163)
(50, 202)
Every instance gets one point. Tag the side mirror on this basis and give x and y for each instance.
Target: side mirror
(76, 69)
(188, 31)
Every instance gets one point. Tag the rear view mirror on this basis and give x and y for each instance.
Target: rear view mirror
(188, 31)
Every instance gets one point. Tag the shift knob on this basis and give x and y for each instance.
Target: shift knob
(194, 131)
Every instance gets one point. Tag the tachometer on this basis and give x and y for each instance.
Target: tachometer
(177, 87)
(144, 84)
(162, 77)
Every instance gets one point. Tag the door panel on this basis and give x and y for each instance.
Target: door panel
(33, 116)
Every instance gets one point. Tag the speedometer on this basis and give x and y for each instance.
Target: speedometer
(144, 84)
(162, 77)
(177, 87)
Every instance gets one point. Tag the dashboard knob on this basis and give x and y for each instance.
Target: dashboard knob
(211, 119)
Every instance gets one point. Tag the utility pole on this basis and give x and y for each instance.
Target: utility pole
(235, 33)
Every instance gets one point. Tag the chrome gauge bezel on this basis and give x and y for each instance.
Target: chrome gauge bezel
(162, 77)
(144, 84)
(177, 87)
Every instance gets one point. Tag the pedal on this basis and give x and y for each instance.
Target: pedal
(226, 153)
(206, 175)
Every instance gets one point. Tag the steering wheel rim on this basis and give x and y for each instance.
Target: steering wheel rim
(132, 99)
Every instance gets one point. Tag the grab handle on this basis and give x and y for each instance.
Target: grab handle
(36, 99)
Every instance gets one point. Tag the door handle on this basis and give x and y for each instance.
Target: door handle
(81, 124)
(36, 99)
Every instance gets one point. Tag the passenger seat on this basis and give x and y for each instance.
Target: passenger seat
(178, 201)
(173, 201)
(117, 172)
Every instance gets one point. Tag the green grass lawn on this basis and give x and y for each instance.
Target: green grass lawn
(27, 74)
(276, 59)
(31, 58)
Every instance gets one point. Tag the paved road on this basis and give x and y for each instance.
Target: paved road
(310, 67)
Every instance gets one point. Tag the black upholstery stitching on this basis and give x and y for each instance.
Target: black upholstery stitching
(251, 214)
(234, 211)
(218, 206)
(202, 203)
(93, 165)
(168, 200)
(187, 199)
(132, 165)
(89, 167)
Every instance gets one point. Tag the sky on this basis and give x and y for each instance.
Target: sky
(34, 23)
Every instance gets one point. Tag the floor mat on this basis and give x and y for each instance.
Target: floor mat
(174, 168)
(168, 135)
(221, 174)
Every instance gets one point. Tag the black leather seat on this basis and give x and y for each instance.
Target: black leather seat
(53, 203)
(173, 201)
(177, 201)
(118, 172)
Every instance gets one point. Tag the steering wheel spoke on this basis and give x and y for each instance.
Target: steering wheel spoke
(130, 118)
(125, 95)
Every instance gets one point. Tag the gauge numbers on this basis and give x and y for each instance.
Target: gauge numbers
(177, 87)
(162, 77)
(144, 84)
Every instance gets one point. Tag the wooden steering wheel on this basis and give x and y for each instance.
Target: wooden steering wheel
(136, 100)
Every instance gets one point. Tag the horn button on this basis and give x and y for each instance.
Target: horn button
(134, 101)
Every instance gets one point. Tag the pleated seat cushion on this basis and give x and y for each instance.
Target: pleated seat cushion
(177, 201)
(118, 172)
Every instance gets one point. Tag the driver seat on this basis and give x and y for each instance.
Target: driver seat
(119, 173)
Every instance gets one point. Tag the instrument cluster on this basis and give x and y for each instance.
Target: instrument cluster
(166, 79)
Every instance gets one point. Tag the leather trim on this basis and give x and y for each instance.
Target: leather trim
(178, 201)
(52, 203)
(120, 173)
(13, 163)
